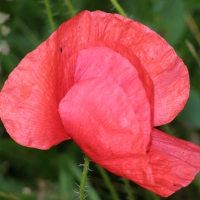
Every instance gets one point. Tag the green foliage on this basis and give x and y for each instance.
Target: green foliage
(30, 174)
(191, 113)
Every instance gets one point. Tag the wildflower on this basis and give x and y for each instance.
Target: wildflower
(105, 81)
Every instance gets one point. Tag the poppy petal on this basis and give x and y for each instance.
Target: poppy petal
(168, 72)
(104, 62)
(174, 163)
(97, 115)
(30, 97)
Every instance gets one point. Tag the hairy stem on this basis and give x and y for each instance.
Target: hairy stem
(84, 177)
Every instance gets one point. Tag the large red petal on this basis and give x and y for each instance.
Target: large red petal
(174, 163)
(104, 62)
(30, 97)
(97, 115)
(168, 72)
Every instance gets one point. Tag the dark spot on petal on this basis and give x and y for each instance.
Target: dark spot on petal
(177, 185)
(61, 49)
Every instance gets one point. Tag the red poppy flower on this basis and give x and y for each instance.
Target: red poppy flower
(105, 81)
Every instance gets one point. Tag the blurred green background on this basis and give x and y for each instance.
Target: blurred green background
(52, 175)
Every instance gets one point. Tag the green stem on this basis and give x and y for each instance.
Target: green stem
(8, 196)
(84, 177)
(118, 8)
(193, 51)
(128, 189)
(108, 183)
(50, 16)
(70, 8)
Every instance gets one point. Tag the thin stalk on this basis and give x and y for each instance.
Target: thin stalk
(193, 26)
(118, 8)
(50, 16)
(193, 51)
(128, 189)
(8, 196)
(70, 8)
(84, 177)
(108, 183)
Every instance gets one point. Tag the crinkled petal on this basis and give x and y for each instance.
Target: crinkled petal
(174, 163)
(97, 116)
(30, 97)
(104, 62)
(168, 72)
